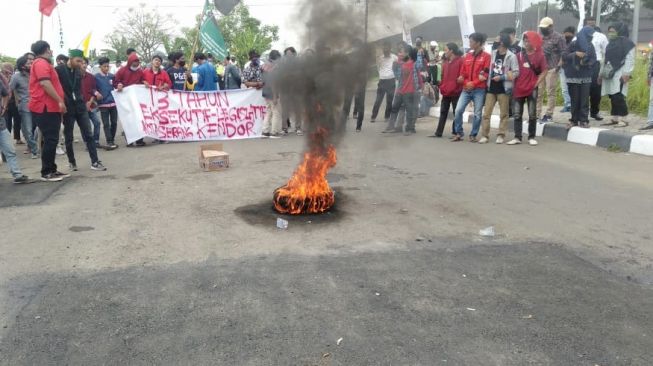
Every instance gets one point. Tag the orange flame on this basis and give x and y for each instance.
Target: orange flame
(308, 191)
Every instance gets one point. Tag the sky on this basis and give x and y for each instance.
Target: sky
(79, 17)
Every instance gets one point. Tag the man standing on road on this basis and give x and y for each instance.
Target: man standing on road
(91, 96)
(532, 71)
(180, 77)
(386, 86)
(46, 103)
(107, 105)
(649, 126)
(569, 33)
(19, 85)
(252, 73)
(410, 83)
(207, 78)
(6, 145)
(600, 43)
(70, 75)
(130, 74)
(473, 76)
(553, 46)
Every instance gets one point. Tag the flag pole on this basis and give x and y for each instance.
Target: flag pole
(41, 31)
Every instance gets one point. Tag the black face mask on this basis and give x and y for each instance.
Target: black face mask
(569, 39)
(182, 63)
(545, 31)
(418, 44)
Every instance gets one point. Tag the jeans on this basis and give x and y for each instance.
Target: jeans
(478, 97)
(444, 113)
(491, 100)
(580, 109)
(595, 90)
(27, 127)
(549, 87)
(110, 123)
(49, 124)
(518, 114)
(8, 150)
(359, 106)
(408, 101)
(80, 114)
(565, 89)
(650, 106)
(92, 115)
(386, 88)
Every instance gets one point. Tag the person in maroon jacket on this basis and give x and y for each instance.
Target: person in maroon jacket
(532, 72)
(91, 96)
(130, 74)
(450, 87)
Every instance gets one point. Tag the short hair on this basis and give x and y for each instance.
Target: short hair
(478, 37)
(209, 55)
(274, 55)
(103, 60)
(233, 58)
(129, 51)
(157, 56)
(174, 56)
(85, 60)
(455, 49)
(291, 50)
(570, 29)
(29, 54)
(21, 62)
(589, 19)
(508, 31)
(199, 56)
(504, 40)
(62, 57)
(40, 47)
(252, 53)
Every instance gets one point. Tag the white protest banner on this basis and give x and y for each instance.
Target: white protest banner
(466, 20)
(190, 116)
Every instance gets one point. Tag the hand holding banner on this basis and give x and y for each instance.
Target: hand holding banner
(190, 116)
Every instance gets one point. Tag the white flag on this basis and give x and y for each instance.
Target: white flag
(466, 20)
(408, 38)
(581, 12)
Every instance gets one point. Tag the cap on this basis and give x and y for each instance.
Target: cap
(434, 44)
(75, 53)
(546, 22)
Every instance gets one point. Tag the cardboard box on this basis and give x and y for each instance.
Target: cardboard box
(212, 158)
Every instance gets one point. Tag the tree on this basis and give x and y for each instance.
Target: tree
(142, 28)
(611, 10)
(5, 58)
(242, 33)
(648, 3)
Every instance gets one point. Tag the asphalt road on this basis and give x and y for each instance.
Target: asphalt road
(156, 262)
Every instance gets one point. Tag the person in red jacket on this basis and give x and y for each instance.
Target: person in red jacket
(130, 74)
(156, 76)
(91, 96)
(450, 88)
(532, 72)
(473, 77)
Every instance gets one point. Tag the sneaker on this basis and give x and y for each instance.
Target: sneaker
(35, 156)
(647, 127)
(274, 136)
(73, 167)
(483, 140)
(51, 178)
(140, 143)
(20, 142)
(532, 142)
(22, 180)
(113, 146)
(265, 135)
(473, 139)
(546, 119)
(500, 140)
(514, 142)
(98, 166)
(300, 133)
(597, 117)
(60, 150)
(61, 175)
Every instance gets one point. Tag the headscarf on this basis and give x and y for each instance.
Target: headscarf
(619, 47)
(584, 38)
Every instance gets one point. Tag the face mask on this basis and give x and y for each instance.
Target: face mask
(182, 63)
(255, 62)
(418, 44)
(134, 68)
(613, 35)
(569, 39)
(545, 31)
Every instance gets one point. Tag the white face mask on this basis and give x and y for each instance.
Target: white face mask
(134, 68)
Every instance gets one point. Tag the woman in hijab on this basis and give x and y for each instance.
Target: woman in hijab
(579, 59)
(615, 73)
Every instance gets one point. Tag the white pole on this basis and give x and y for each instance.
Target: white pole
(598, 13)
(635, 33)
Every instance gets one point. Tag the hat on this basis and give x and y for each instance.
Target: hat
(546, 22)
(76, 53)
(434, 44)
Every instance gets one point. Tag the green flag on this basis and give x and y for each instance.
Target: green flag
(211, 39)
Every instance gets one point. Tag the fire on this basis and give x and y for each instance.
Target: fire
(308, 191)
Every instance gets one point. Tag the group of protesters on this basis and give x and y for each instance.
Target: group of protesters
(516, 74)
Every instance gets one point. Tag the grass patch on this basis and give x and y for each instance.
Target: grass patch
(614, 148)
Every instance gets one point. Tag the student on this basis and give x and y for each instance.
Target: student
(579, 60)
(532, 71)
(106, 104)
(503, 70)
(207, 79)
(130, 74)
(553, 46)
(91, 95)
(19, 85)
(407, 95)
(6, 146)
(386, 87)
(180, 76)
(615, 74)
(155, 76)
(450, 87)
(569, 33)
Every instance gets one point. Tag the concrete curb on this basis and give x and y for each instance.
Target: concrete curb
(601, 137)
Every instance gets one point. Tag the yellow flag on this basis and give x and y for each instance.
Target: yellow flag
(85, 44)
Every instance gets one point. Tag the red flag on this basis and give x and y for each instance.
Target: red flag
(47, 6)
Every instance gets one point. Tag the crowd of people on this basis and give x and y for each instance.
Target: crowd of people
(39, 96)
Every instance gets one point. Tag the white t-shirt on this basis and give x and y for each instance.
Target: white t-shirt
(385, 66)
(600, 43)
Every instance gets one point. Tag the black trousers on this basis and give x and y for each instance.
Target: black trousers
(595, 90)
(445, 104)
(518, 114)
(385, 89)
(49, 124)
(618, 103)
(109, 123)
(13, 120)
(579, 94)
(359, 106)
(78, 113)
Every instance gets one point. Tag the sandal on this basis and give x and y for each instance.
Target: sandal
(457, 138)
(611, 123)
(622, 124)
(472, 139)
